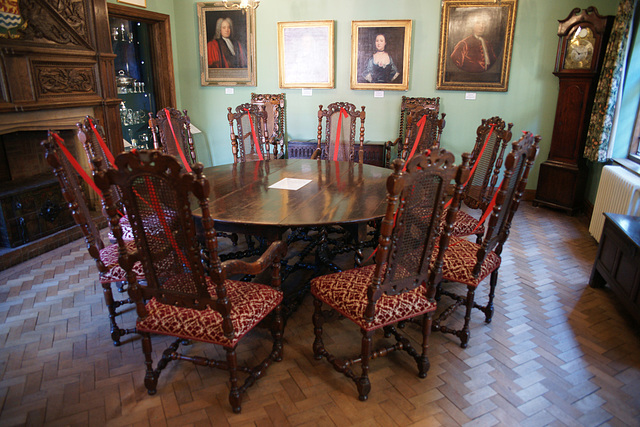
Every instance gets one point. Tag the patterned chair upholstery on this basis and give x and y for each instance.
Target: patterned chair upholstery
(492, 138)
(106, 257)
(339, 124)
(470, 263)
(401, 284)
(188, 295)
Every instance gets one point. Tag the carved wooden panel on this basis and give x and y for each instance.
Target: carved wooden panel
(62, 22)
(64, 79)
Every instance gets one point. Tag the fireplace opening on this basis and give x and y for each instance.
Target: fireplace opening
(31, 201)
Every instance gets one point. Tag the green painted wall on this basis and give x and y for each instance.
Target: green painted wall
(529, 103)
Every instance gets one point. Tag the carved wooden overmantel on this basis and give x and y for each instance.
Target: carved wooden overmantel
(58, 55)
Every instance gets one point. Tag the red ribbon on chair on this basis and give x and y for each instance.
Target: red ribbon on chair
(486, 213)
(75, 164)
(343, 112)
(255, 137)
(155, 204)
(475, 165)
(103, 145)
(182, 157)
(421, 123)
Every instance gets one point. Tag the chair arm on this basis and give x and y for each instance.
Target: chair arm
(392, 144)
(274, 253)
(316, 154)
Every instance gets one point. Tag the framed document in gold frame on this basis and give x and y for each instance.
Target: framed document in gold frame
(306, 54)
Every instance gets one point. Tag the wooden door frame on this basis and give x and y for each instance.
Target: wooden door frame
(161, 53)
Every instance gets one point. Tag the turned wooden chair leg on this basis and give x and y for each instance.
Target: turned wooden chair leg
(150, 378)
(318, 320)
(116, 332)
(464, 333)
(363, 384)
(423, 360)
(235, 399)
(488, 310)
(277, 330)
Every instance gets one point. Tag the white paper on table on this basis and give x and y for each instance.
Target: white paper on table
(290, 184)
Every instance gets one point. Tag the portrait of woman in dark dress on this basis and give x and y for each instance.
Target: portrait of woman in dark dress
(380, 67)
(223, 51)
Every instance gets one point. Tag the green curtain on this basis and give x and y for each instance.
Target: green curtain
(604, 105)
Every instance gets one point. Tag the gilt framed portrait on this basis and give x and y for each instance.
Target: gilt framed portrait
(380, 54)
(306, 55)
(476, 39)
(227, 45)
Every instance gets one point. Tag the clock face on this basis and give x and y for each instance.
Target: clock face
(579, 54)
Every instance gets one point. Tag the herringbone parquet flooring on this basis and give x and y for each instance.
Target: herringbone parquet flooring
(556, 353)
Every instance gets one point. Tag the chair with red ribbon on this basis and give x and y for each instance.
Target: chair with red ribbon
(188, 295)
(171, 130)
(408, 104)
(250, 140)
(469, 263)
(66, 168)
(401, 283)
(492, 138)
(275, 110)
(424, 130)
(92, 137)
(337, 123)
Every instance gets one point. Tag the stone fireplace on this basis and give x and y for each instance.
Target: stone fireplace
(31, 203)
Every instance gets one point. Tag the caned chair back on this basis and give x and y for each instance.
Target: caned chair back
(492, 138)
(337, 123)
(73, 194)
(275, 110)
(171, 132)
(423, 132)
(156, 195)
(516, 171)
(409, 230)
(249, 133)
(92, 137)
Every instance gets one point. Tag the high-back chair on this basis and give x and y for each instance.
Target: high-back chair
(275, 109)
(171, 131)
(492, 138)
(470, 263)
(424, 129)
(92, 137)
(249, 134)
(409, 104)
(401, 283)
(338, 124)
(106, 257)
(182, 297)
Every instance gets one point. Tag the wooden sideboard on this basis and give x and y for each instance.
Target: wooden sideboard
(373, 151)
(618, 260)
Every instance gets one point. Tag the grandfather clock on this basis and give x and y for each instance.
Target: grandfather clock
(581, 48)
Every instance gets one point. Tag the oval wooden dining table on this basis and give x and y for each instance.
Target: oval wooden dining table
(241, 199)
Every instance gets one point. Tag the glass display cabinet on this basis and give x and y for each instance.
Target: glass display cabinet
(130, 41)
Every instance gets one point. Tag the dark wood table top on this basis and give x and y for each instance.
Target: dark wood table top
(339, 193)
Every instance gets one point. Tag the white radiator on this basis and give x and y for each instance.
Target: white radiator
(618, 192)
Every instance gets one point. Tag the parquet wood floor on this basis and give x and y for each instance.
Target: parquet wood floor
(556, 353)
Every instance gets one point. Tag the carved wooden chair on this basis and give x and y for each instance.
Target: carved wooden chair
(171, 131)
(182, 297)
(409, 104)
(492, 138)
(340, 133)
(106, 257)
(275, 109)
(249, 134)
(470, 263)
(401, 283)
(92, 137)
